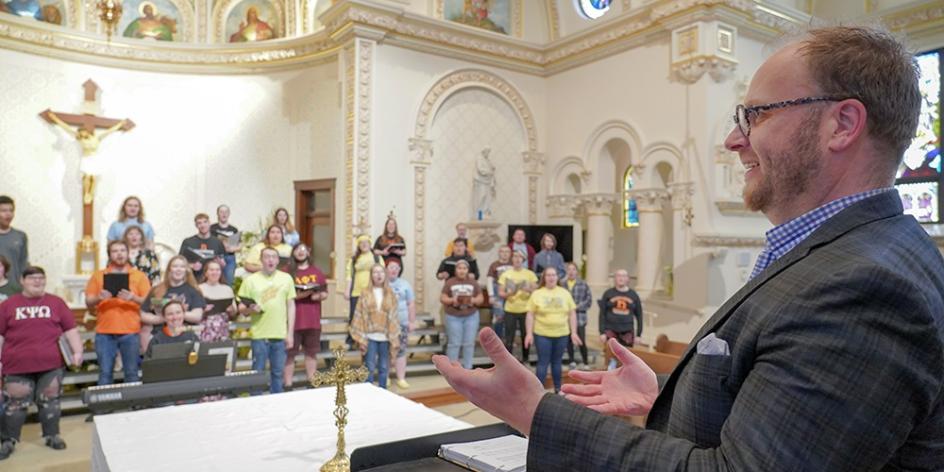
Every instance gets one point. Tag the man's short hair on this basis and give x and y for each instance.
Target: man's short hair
(268, 248)
(115, 243)
(868, 64)
(464, 241)
(33, 270)
(5, 200)
(221, 207)
(6, 265)
(201, 216)
(571, 263)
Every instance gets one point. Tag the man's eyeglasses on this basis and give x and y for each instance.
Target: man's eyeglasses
(745, 116)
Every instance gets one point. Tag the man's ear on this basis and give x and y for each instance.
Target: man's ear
(850, 121)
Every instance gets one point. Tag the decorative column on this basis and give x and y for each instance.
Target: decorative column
(649, 262)
(533, 169)
(563, 206)
(422, 152)
(599, 211)
(682, 216)
(356, 67)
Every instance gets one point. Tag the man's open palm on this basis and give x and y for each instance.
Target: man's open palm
(629, 390)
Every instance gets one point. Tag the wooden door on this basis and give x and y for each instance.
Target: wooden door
(314, 214)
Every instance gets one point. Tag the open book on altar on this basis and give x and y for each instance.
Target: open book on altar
(501, 454)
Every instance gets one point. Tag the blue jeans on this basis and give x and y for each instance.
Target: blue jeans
(498, 320)
(107, 346)
(378, 357)
(229, 270)
(461, 331)
(272, 350)
(550, 351)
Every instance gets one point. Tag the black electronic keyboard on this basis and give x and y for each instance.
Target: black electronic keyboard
(108, 398)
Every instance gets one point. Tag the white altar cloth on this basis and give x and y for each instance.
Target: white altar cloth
(286, 432)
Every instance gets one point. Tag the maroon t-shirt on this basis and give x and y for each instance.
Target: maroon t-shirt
(31, 328)
(308, 311)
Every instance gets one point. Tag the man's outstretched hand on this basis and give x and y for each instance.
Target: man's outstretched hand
(508, 390)
(629, 390)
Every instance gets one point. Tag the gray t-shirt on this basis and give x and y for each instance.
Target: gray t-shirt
(13, 246)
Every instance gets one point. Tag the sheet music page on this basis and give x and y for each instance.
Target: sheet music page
(502, 454)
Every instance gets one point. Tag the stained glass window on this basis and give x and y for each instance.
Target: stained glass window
(593, 9)
(630, 211)
(919, 176)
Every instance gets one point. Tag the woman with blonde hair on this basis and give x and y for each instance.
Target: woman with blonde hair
(281, 218)
(376, 325)
(178, 284)
(140, 256)
(131, 214)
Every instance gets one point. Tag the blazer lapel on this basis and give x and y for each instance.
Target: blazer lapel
(881, 206)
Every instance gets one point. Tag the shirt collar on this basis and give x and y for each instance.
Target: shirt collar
(784, 237)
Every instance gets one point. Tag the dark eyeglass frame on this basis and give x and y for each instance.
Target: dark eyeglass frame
(743, 116)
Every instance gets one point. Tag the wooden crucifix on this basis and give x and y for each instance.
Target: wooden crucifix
(83, 128)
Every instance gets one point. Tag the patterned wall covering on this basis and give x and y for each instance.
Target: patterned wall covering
(468, 121)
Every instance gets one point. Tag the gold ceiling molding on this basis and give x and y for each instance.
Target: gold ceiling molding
(915, 19)
(553, 20)
(398, 27)
(35, 37)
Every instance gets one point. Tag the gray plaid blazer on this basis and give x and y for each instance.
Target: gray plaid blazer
(836, 364)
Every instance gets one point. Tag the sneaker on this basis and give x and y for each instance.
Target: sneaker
(573, 365)
(584, 367)
(401, 384)
(55, 442)
(612, 365)
(6, 448)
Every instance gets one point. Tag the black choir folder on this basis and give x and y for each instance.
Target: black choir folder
(422, 454)
(115, 282)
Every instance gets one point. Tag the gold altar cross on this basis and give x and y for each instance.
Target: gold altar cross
(86, 124)
(340, 375)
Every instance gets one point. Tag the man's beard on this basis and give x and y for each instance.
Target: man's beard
(787, 173)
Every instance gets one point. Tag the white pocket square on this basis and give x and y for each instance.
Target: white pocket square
(712, 345)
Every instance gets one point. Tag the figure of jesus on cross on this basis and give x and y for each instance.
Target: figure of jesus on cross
(84, 132)
(340, 375)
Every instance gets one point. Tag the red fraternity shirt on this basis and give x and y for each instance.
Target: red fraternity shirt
(308, 311)
(31, 328)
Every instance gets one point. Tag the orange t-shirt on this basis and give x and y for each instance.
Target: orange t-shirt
(117, 316)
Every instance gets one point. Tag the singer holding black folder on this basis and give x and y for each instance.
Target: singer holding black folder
(115, 295)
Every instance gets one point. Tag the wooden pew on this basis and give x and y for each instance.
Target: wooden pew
(664, 357)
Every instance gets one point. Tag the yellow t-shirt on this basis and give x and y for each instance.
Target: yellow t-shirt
(551, 310)
(518, 302)
(570, 284)
(361, 272)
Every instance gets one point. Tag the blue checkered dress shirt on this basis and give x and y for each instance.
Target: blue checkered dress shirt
(781, 239)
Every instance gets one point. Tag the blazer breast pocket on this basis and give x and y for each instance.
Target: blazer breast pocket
(702, 400)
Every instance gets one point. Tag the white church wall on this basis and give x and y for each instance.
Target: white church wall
(200, 140)
(407, 77)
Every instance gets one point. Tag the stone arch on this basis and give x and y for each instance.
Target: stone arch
(567, 168)
(596, 145)
(467, 78)
(654, 155)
